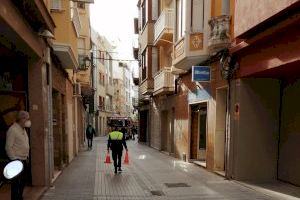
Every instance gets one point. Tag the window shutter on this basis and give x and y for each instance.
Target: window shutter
(56, 5)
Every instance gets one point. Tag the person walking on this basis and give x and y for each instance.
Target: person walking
(90, 133)
(17, 148)
(116, 141)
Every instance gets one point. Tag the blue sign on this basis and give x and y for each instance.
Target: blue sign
(201, 73)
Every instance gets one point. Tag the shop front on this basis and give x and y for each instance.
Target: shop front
(25, 80)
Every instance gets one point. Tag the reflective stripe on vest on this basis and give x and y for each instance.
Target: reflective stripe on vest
(116, 135)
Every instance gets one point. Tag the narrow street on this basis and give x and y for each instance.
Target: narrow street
(146, 177)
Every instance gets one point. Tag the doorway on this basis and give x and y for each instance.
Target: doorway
(59, 136)
(164, 130)
(198, 132)
(143, 126)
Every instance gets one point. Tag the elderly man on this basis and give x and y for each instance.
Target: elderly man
(17, 148)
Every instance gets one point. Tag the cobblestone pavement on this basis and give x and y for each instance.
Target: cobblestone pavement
(149, 175)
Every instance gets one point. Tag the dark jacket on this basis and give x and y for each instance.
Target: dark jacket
(90, 132)
(116, 143)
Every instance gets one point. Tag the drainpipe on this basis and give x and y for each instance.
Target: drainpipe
(228, 167)
(228, 67)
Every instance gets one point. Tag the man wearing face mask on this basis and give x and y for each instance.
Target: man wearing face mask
(17, 148)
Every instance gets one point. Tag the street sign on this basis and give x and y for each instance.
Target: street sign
(200, 73)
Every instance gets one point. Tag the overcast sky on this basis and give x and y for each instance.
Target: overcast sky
(114, 20)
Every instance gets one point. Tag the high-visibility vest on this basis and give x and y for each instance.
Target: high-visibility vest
(116, 135)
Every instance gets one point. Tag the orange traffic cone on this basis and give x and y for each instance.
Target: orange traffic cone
(126, 159)
(107, 159)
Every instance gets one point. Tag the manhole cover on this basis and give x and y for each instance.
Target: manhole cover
(171, 185)
(157, 193)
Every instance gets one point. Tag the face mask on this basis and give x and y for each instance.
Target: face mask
(27, 124)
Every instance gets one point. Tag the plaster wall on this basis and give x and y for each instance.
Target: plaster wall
(250, 13)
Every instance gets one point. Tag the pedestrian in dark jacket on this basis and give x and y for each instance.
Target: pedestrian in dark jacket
(90, 133)
(116, 141)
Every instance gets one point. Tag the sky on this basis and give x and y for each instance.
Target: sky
(114, 20)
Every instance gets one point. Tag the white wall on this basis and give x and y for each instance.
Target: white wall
(255, 130)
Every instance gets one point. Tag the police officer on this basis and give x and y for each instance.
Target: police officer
(116, 141)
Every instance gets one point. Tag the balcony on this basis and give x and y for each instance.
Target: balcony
(163, 28)
(164, 82)
(135, 102)
(65, 54)
(190, 50)
(146, 87)
(109, 89)
(146, 37)
(84, 78)
(220, 33)
(76, 21)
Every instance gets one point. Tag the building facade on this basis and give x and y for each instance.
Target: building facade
(264, 124)
(25, 68)
(41, 49)
(242, 122)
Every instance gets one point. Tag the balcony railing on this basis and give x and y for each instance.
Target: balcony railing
(164, 82)
(146, 37)
(190, 50)
(109, 89)
(84, 76)
(146, 87)
(163, 28)
(76, 21)
(220, 33)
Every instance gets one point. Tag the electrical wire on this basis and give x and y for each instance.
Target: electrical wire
(129, 60)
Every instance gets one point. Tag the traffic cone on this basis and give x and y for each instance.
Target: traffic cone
(107, 159)
(126, 159)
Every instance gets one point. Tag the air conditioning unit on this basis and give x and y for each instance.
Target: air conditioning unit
(77, 89)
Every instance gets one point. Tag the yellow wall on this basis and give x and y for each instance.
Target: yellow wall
(85, 25)
(64, 31)
(216, 10)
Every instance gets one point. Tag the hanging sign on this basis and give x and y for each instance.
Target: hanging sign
(200, 73)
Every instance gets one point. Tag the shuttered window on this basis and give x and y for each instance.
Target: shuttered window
(56, 5)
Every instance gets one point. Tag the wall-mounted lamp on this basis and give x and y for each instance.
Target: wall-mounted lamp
(85, 63)
(46, 34)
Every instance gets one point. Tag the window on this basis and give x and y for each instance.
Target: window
(144, 65)
(144, 13)
(81, 45)
(101, 57)
(180, 19)
(56, 5)
(81, 5)
(155, 61)
(136, 26)
(81, 61)
(197, 15)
